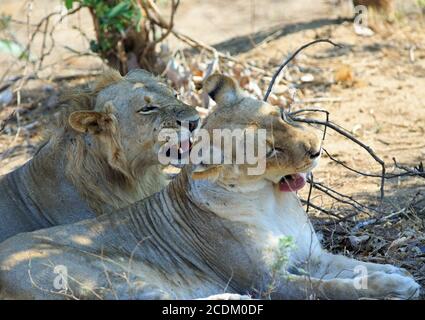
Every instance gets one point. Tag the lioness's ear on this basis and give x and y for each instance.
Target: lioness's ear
(201, 172)
(90, 121)
(222, 89)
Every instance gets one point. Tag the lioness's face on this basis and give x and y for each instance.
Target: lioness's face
(139, 106)
(290, 149)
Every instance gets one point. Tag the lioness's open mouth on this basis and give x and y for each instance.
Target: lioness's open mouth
(292, 182)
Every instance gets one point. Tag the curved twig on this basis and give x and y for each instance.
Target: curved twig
(344, 132)
(292, 56)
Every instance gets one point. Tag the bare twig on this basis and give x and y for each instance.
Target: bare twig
(291, 57)
(321, 99)
(373, 175)
(153, 14)
(416, 171)
(328, 212)
(199, 45)
(4, 122)
(373, 221)
(345, 199)
(349, 136)
(45, 21)
(43, 46)
(340, 198)
(309, 192)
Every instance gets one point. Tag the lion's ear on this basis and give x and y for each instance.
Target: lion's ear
(90, 121)
(203, 172)
(222, 89)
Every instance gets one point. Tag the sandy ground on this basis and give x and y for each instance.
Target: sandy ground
(220, 21)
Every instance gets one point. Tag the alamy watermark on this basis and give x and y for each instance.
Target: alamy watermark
(222, 146)
(361, 15)
(60, 282)
(360, 281)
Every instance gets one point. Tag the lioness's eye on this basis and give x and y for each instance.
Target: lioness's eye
(287, 117)
(148, 109)
(270, 151)
(284, 115)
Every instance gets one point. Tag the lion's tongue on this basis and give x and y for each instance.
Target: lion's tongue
(293, 182)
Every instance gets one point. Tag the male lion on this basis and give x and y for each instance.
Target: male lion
(102, 157)
(213, 229)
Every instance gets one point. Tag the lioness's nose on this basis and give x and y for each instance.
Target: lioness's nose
(314, 153)
(314, 150)
(193, 124)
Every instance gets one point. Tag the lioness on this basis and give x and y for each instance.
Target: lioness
(213, 229)
(103, 156)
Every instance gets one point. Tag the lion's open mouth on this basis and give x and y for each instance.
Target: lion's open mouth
(180, 151)
(292, 182)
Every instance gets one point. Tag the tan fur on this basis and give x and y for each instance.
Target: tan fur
(83, 167)
(107, 165)
(101, 155)
(84, 99)
(113, 171)
(211, 173)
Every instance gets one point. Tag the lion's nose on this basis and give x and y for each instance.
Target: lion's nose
(193, 124)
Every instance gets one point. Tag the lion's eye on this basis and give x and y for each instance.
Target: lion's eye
(148, 109)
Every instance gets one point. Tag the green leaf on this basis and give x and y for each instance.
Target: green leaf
(118, 9)
(68, 4)
(138, 20)
(11, 47)
(4, 21)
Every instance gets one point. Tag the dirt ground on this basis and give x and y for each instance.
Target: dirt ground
(373, 87)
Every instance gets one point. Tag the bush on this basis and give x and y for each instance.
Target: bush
(126, 33)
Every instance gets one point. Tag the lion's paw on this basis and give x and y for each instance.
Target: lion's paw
(388, 268)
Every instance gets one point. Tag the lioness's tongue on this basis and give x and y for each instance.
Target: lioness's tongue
(293, 182)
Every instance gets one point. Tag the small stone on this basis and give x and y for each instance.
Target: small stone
(357, 241)
(307, 78)
(6, 97)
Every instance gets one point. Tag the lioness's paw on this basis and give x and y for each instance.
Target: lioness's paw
(392, 286)
(388, 268)
(227, 296)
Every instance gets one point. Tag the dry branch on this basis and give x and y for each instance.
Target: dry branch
(4, 122)
(335, 195)
(157, 19)
(416, 171)
(349, 136)
(291, 57)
